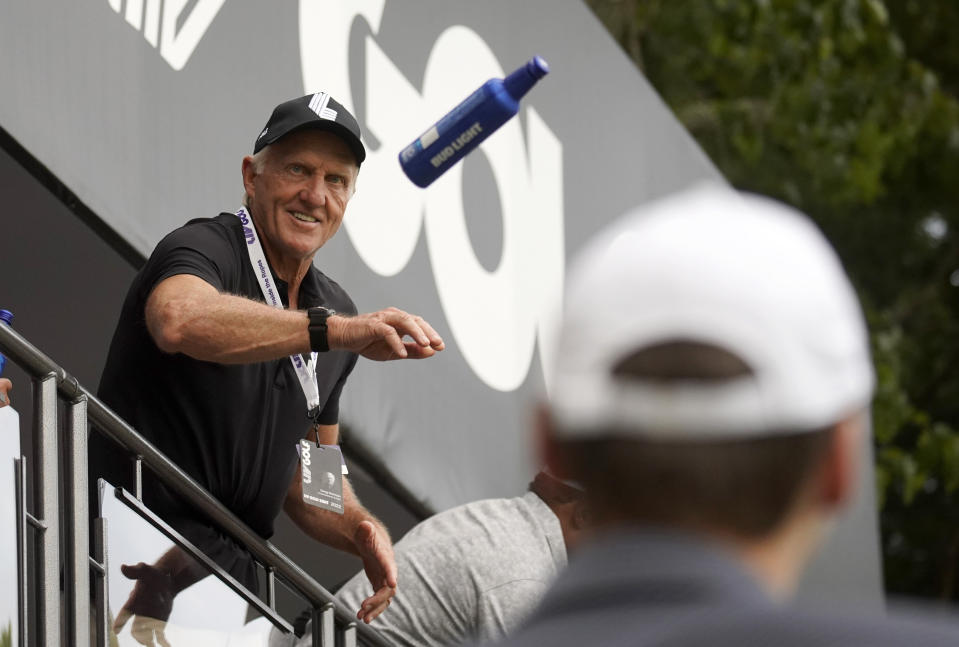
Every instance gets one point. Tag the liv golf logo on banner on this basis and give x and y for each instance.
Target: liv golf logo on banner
(497, 317)
(158, 19)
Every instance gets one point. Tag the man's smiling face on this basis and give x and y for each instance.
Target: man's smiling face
(297, 193)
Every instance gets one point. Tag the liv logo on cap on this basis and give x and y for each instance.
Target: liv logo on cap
(319, 104)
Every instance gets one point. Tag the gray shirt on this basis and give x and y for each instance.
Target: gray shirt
(471, 572)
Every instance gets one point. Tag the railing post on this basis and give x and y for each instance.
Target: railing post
(23, 591)
(270, 587)
(347, 635)
(77, 581)
(47, 510)
(101, 559)
(324, 626)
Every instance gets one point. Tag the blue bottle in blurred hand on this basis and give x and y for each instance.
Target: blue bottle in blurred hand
(6, 317)
(468, 124)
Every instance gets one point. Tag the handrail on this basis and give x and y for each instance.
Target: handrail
(36, 363)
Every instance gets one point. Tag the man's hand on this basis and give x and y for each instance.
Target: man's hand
(5, 386)
(150, 604)
(379, 335)
(376, 551)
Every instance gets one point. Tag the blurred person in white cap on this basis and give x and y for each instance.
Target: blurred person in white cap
(710, 393)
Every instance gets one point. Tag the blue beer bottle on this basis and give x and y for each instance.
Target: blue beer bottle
(468, 124)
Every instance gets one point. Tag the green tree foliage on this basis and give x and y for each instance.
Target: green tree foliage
(847, 109)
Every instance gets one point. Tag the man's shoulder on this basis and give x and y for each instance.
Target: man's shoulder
(224, 224)
(221, 229)
(719, 625)
(668, 589)
(477, 512)
(788, 627)
(474, 528)
(208, 247)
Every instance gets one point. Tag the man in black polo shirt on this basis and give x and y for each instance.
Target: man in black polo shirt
(229, 338)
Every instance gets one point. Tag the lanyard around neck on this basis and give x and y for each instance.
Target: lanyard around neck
(305, 371)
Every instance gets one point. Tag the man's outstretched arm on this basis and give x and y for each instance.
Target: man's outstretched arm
(355, 531)
(185, 314)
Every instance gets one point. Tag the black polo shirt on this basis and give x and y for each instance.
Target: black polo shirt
(233, 428)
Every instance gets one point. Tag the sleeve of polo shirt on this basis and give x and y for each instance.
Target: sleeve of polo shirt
(201, 249)
(330, 414)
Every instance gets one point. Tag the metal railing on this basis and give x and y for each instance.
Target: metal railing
(333, 624)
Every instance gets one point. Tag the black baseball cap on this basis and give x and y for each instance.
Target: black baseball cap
(319, 111)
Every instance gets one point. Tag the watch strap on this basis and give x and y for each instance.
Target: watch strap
(319, 341)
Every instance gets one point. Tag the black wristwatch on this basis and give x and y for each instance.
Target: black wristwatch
(318, 315)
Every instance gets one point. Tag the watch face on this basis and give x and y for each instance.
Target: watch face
(322, 310)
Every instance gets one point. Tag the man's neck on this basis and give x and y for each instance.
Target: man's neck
(290, 270)
(778, 559)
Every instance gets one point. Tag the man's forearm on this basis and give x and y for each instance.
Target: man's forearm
(186, 315)
(336, 530)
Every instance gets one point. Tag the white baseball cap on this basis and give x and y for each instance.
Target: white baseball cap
(743, 273)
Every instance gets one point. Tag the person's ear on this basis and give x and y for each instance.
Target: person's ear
(841, 469)
(581, 518)
(248, 169)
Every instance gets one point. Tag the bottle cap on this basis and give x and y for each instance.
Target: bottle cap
(520, 81)
(537, 67)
